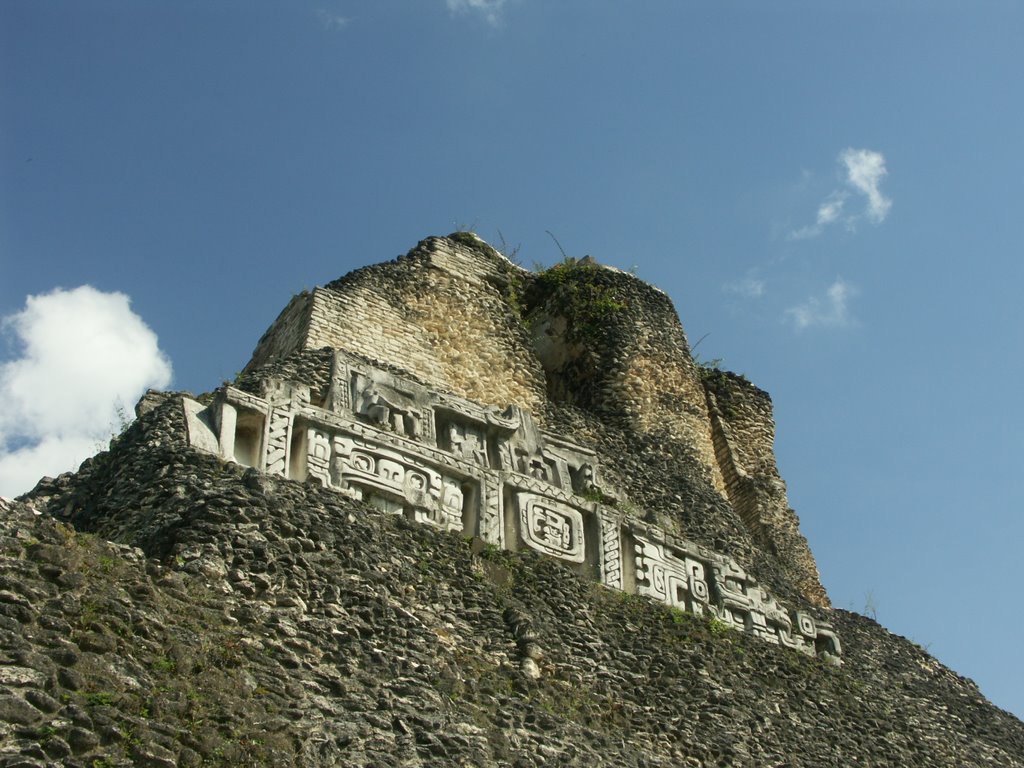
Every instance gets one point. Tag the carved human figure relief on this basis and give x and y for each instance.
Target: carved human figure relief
(468, 443)
(390, 410)
(585, 480)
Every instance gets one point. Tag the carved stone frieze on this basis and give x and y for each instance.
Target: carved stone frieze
(671, 577)
(387, 407)
(468, 442)
(456, 465)
(372, 471)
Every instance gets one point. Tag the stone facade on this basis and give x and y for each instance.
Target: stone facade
(193, 611)
(437, 312)
(525, 530)
(445, 461)
(456, 316)
(744, 436)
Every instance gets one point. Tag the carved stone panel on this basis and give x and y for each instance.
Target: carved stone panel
(611, 553)
(375, 471)
(278, 441)
(339, 398)
(490, 524)
(318, 456)
(468, 443)
(551, 527)
(671, 577)
(389, 408)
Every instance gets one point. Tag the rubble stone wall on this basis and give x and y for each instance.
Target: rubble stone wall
(242, 619)
(744, 436)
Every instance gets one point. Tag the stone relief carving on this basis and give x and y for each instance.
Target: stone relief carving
(388, 409)
(464, 463)
(671, 577)
(318, 456)
(551, 527)
(278, 441)
(372, 471)
(611, 553)
(469, 443)
(339, 396)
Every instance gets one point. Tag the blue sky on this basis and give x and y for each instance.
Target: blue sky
(830, 192)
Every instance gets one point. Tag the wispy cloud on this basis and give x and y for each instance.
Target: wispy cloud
(490, 10)
(830, 310)
(84, 354)
(332, 21)
(828, 213)
(749, 287)
(864, 170)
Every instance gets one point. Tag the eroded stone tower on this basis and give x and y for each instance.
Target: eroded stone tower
(559, 411)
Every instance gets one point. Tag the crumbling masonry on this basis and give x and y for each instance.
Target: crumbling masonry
(456, 389)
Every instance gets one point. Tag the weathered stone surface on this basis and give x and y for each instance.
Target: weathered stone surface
(167, 605)
(409, 644)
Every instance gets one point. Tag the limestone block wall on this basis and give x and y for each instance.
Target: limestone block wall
(744, 436)
(287, 334)
(438, 312)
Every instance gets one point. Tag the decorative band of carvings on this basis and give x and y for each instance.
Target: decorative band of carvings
(393, 452)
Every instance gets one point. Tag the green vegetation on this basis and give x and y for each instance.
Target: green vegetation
(579, 290)
(718, 627)
(470, 240)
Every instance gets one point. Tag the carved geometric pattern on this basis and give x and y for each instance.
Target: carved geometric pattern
(278, 434)
(359, 443)
(551, 527)
(611, 554)
(672, 578)
(490, 524)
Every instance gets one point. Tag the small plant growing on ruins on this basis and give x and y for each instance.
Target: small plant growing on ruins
(509, 252)
(578, 290)
(471, 240)
(99, 698)
(165, 665)
(718, 627)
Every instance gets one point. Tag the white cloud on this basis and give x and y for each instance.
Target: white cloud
(489, 9)
(832, 310)
(828, 213)
(84, 354)
(332, 21)
(864, 170)
(750, 287)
